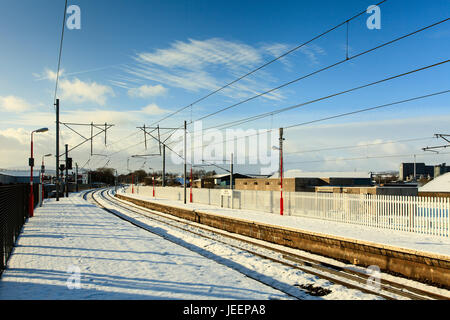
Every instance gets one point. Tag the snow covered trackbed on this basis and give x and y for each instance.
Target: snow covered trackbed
(413, 264)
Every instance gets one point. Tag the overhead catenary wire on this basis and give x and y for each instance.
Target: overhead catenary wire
(366, 157)
(314, 73)
(278, 111)
(340, 115)
(275, 112)
(357, 146)
(60, 52)
(307, 122)
(265, 64)
(266, 114)
(333, 117)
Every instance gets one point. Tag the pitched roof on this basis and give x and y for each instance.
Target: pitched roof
(439, 184)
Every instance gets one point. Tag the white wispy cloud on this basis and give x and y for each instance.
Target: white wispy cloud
(47, 74)
(76, 90)
(196, 54)
(13, 104)
(153, 109)
(79, 91)
(146, 91)
(195, 65)
(312, 52)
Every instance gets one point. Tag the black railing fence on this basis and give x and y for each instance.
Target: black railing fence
(14, 206)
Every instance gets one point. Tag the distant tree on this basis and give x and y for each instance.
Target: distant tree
(105, 175)
(139, 175)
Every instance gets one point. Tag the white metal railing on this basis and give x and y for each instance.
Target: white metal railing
(422, 215)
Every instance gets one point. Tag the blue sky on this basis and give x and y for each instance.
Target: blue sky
(134, 62)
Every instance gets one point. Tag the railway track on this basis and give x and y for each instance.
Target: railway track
(347, 277)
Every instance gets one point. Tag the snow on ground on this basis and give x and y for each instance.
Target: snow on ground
(282, 277)
(116, 260)
(439, 184)
(398, 239)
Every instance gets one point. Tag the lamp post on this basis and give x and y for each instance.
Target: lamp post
(31, 163)
(42, 179)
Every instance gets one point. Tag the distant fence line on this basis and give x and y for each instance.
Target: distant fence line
(421, 215)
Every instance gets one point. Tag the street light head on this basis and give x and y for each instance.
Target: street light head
(275, 148)
(41, 130)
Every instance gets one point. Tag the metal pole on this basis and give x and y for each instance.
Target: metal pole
(231, 179)
(231, 172)
(190, 187)
(115, 183)
(153, 178)
(185, 157)
(31, 208)
(145, 137)
(57, 149)
(281, 172)
(76, 176)
(164, 166)
(66, 179)
(41, 189)
(92, 132)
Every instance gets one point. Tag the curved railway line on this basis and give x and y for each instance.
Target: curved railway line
(335, 273)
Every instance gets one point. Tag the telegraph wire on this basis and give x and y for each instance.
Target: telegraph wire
(339, 115)
(368, 109)
(363, 158)
(266, 114)
(357, 146)
(306, 123)
(265, 64)
(315, 72)
(60, 52)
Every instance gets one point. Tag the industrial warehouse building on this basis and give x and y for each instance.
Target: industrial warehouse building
(407, 170)
(17, 176)
(296, 181)
(218, 181)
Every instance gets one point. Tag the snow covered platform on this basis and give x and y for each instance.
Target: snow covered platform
(402, 252)
(72, 249)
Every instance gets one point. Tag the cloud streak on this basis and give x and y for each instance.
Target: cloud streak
(13, 104)
(196, 65)
(146, 91)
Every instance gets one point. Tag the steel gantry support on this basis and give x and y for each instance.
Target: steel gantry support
(149, 130)
(442, 136)
(101, 127)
